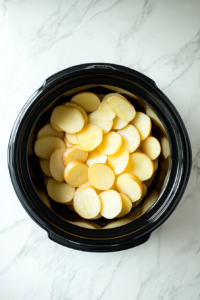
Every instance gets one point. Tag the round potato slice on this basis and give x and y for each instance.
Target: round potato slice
(74, 105)
(69, 119)
(101, 176)
(134, 204)
(98, 119)
(56, 165)
(119, 123)
(97, 217)
(119, 160)
(155, 118)
(110, 144)
(155, 164)
(130, 185)
(165, 147)
(105, 109)
(87, 100)
(150, 200)
(76, 173)
(45, 146)
(55, 126)
(122, 107)
(72, 138)
(131, 137)
(143, 124)
(90, 137)
(111, 204)
(87, 203)
(67, 143)
(44, 165)
(88, 184)
(96, 157)
(49, 130)
(149, 181)
(60, 192)
(72, 153)
(126, 205)
(151, 147)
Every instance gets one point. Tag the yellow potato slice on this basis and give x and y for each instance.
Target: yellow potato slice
(149, 181)
(119, 160)
(90, 137)
(126, 205)
(76, 173)
(144, 193)
(97, 217)
(131, 137)
(151, 147)
(98, 119)
(72, 138)
(155, 118)
(101, 176)
(140, 165)
(118, 123)
(165, 147)
(67, 143)
(87, 203)
(60, 191)
(72, 153)
(46, 181)
(87, 100)
(55, 126)
(44, 165)
(143, 124)
(49, 130)
(110, 144)
(150, 200)
(96, 157)
(105, 109)
(69, 119)
(56, 165)
(111, 204)
(45, 146)
(155, 164)
(130, 185)
(88, 184)
(122, 107)
(74, 105)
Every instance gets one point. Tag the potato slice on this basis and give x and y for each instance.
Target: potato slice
(55, 126)
(126, 205)
(131, 137)
(130, 185)
(149, 181)
(111, 204)
(45, 146)
(97, 217)
(122, 107)
(49, 130)
(90, 137)
(105, 109)
(44, 165)
(72, 153)
(155, 164)
(155, 118)
(98, 119)
(60, 191)
(101, 96)
(110, 144)
(165, 147)
(143, 124)
(46, 181)
(74, 105)
(87, 203)
(87, 100)
(140, 165)
(101, 176)
(67, 143)
(119, 160)
(151, 147)
(72, 138)
(67, 118)
(118, 123)
(150, 200)
(144, 193)
(56, 165)
(96, 157)
(88, 184)
(76, 173)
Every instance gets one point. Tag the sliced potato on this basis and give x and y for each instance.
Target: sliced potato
(144, 193)
(56, 165)
(122, 107)
(118, 123)
(143, 124)
(155, 118)
(151, 147)
(72, 138)
(130, 185)
(131, 137)
(45, 146)
(119, 160)
(140, 165)
(165, 147)
(90, 137)
(96, 157)
(149, 181)
(111, 204)
(100, 96)
(85, 117)
(44, 165)
(69, 119)
(126, 205)
(150, 200)
(87, 203)
(88, 184)
(72, 153)
(67, 143)
(46, 181)
(98, 119)
(101, 176)
(155, 164)
(87, 100)
(105, 109)
(60, 191)
(55, 126)
(49, 130)
(97, 217)
(110, 144)
(76, 173)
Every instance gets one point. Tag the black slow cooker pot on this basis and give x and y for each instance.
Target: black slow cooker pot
(26, 176)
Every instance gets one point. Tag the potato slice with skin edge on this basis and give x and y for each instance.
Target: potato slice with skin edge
(165, 147)
(101, 176)
(67, 118)
(90, 137)
(121, 107)
(151, 147)
(110, 144)
(118, 123)
(143, 124)
(87, 100)
(144, 193)
(56, 165)
(85, 117)
(98, 119)
(96, 157)
(87, 203)
(60, 192)
(72, 138)
(44, 165)
(130, 185)
(126, 205)
(76, 173)
(45, 146)
(72, 153)
(150, 200)
(105, 109)
(111, 204)
(131, 137)
(119, 160)
(50, 131)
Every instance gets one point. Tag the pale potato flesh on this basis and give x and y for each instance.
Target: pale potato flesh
(131, 137)
(155, 118)
(111, 204)
(155, 164)
(87, 100)
(105, 109)
(101, 176)
(165, 147)
(76, 173)
(151, 147)
(140, 165)
(55, 126)
(49, 130)
(45, 146)
(126, 205)
(96, 157)
(122, 107)
(56, 165)
(90, 137)
(85, 117)
(149, 181)
(88, 184)
(98, 119)
(72, 153)
(119, 160)
(118, 123)
(72, 138)
(134, 204)
(130, 185)
(44, 165)
(67, 143)
(143, 124)
(60, 191)
(110, 144)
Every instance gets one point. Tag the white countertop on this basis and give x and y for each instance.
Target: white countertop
(160, 39)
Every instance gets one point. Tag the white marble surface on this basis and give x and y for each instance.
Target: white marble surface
(160, 39)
